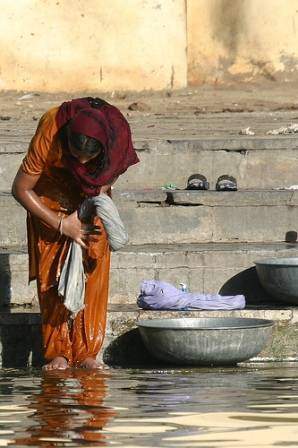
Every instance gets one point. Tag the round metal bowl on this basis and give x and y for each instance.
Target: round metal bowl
(279, 277)
(205, 341)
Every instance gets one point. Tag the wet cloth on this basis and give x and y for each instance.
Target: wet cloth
(72, 279)
(98, 119)
(103, 206)
(158, 295)
(47, 249)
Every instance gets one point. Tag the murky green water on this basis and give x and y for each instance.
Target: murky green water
(241, 407)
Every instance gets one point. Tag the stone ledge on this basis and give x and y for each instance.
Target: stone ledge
(240, 198)
(254, 168)
(282, 313)
(211, 267)
(123, 341)
(123, 345)
(18, 144)
(199, 218)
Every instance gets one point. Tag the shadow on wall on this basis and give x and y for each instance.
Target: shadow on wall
(248, 284)
(128, 350)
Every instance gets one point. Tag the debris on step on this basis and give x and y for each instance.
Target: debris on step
(169, 186)
(292, 128)
(200, 110)
(139, 106)
(28, 96)
(247, 131)
(291, 187)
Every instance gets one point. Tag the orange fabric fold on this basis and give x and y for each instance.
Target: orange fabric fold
(48, 249)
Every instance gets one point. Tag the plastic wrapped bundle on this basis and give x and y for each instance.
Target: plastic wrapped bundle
(158, 295)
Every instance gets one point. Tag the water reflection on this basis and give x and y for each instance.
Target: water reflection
(211, 408)
(68, 407)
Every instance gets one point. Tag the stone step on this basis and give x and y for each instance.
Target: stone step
(256, 162)
(159, 217)
(209, 268)
(20, 339)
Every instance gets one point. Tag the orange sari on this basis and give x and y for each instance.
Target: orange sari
(83, 337)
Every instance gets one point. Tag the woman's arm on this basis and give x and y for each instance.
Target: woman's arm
(23, 192)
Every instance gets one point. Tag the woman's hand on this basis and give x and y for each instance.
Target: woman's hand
(105, 188)
(23, 191)
(76, 230)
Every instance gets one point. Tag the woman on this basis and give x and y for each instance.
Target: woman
(78, 151)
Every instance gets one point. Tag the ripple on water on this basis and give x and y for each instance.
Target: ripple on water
(165, 408)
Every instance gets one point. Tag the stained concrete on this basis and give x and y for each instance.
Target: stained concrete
(133, 45)
(243, 40)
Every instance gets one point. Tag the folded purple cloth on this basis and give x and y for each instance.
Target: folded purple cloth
(157, 295)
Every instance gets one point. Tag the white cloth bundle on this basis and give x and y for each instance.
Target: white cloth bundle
(71, 284)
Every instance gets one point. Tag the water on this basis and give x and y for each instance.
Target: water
(240, 407)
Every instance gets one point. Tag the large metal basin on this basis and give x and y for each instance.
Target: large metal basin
(279, 277)
(205, 341)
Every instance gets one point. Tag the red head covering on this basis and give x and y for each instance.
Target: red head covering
(104, 122)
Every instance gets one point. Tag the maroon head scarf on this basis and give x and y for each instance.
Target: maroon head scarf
(104, 122)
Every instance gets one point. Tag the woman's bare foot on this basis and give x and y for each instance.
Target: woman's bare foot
(58, 363)
(90, 363)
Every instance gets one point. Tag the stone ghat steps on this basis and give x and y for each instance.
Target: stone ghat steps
(256, 162)
(225, 267)
(20, 341)
(175, 124)
(159, 217)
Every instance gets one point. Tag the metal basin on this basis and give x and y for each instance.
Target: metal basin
(279, 277)
(205, 341)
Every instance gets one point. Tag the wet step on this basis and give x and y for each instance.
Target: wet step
(158, 217)
(21, 343)
(206, 267)
(267, 162)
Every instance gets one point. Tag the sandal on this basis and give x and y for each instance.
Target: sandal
(226, 183)
(197, 182)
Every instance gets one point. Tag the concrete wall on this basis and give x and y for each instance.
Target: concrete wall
(242, 39)
(55, 45)
(69, 45)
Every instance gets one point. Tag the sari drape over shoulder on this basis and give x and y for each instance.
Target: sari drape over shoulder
(59, 191)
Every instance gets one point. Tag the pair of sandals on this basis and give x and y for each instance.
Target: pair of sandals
(199, 182)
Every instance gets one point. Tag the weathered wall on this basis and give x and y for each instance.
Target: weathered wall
(55, 45)
(242, 39)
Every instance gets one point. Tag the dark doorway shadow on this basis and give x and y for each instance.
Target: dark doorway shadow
(21, 346)
(5, 279)
(20, 333)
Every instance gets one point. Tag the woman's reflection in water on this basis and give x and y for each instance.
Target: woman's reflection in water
(69, 408)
